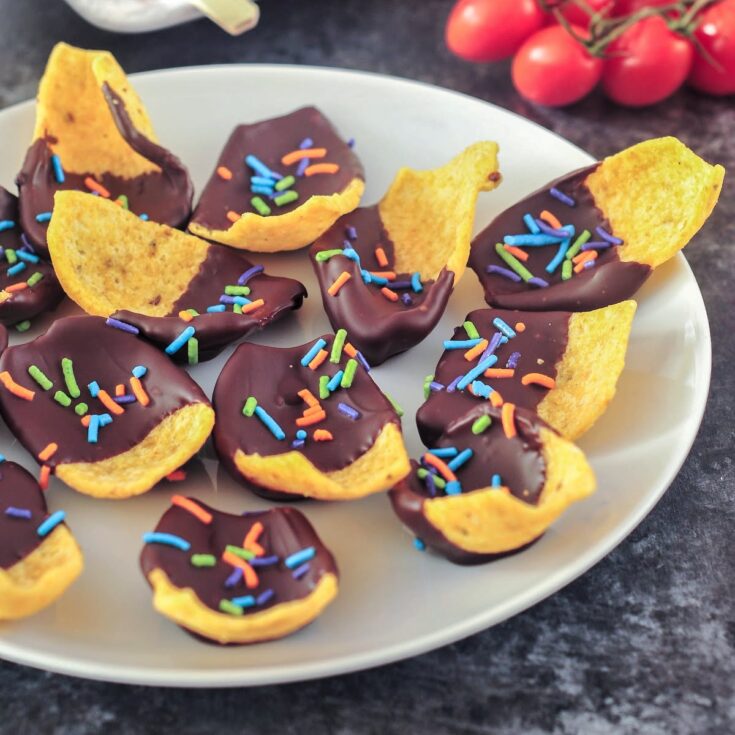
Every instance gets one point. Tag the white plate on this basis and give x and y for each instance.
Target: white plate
(394, 602)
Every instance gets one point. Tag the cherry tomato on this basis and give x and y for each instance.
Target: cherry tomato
(716, 33)
(552, 68)
(577, 15)
(626, 7)
(491, 30)
(647, 64)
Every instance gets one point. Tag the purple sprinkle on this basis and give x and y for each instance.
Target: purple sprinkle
(436, 386)
(495, 341)
(351, 232)
(297, 443)
(121, 325)
(306, 143)
(264, 597)
(124, 399)
(547, 230)
(225, 299)
(2, 251)
(18, 512)
(430, 484)
(505, 272)
(513, 360)
(234, 578)
(249, 273)
(27, 243)
(406, 299)
(596, 245)
(301, 571)
(562, 197)
(589, 264)
(538, 282)
(351, 143)
(303, 165)
(263, 561)
(396, 285)
(605, 235)
(346, 410)
(363, 361)
(453, 385)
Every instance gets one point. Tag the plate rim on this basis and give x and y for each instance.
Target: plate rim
(287, 673)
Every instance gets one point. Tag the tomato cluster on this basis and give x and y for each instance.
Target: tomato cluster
(648, 55)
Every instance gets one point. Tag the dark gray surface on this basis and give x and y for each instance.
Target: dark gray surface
(645, 642)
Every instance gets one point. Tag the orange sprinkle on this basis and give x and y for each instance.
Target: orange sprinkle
(105, 399)
(224, 173)
(139, 391)
(189, 505)
(312, 410)
(86, 419)
(321, 168)
(311, 419)
(390, 295)
(584, 257)
(381, 257)
(499, 373)
(252, 306)
(253, 534)
(16, 287)
(496, 399)
(93, 185)
(319, 358)
(44, 476)
(390, 275)
(48, 451)
(295, 156)
(308, 397)
(473, 352)
(508, 417)
(520, 254)
(520, 327)
(186, 316)
(176, 476)
(538, 379)
(119, 389)
(251, 578)
(322, 435)
(441, 465)
(550, 219)
(14, 388)
(342, 278)
(350, 350)
(233, 216)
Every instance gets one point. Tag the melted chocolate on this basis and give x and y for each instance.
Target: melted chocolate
(378, 327)
(518, 461)
(18, 536)
(269, 141)
(285, 531)
(99, 353)
(608, 282)
(32, 301)
(220, 268)
(541, 345)
(274, 376)
(165, 195)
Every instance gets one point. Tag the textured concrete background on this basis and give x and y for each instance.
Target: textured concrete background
(645, 641)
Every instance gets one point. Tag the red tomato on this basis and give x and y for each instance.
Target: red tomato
(716, 32)
(626, 7)
(647, 64)
(552, 68)
(574, 14)
(491, 30)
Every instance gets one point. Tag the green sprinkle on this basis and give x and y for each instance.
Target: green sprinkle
(566, 270)
(67, 367)
(338, 345)
(513, 263)
(40, 377)
(396, 407)
(240, 552)
(23, 326)
(192, 350)
(237, 290)
(323, 390)
(440, 482)
(193, 312)
(249, 408)
(428, 380)
(35, 278)
(260, 206)
(286, 198)
(237, 308)
(581, 240)
(285, 183)
(349, 376)
(324, 255)
(11, 256)
(479, 425)
(471, 330)
(203, 560)
(230, 607)
(81, 408)
(123, 199)
(62, 398)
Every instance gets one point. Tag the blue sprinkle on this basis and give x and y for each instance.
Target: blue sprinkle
(181, 340)
(166, 539)
(43, 217)
(259, 167)
(234, 578)
(367, 277)
(123, 326)
(453, 488)
(350, 252)
(249, 273)
(244, 601)
(58, 170)
(17, 268)
(6, 224)
(313, 351)
(557, 260)
(464, 456)
(270, 423)
(263, 561)
(240, 300)
(416, 282)
(28, 257)
(531, 240)
(262, 181)
(419, 544)
(2, 458)
(105, 419)
(562, 197)
(476, 371)
(300, 557)
(347, 410)
(139, 371)
(265, 597)
(483, 390)
(13, 512)
(496, 481)
(301, 434)
(379, 280)
(460, 344)
(530, 222)
(94, 388)
(444, 452)
(93, 429)
(301, 571)
(504, 327)
(335, 380)
(144, 217)
(216, 308)
(268, 191)
(50, 523)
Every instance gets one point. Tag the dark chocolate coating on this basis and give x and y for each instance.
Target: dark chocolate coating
(99, 353)
(608, 282)
(165, 195)
(379, 328)
(18, 536)
(215, 331)
(36, 299)
(274, 375)
(269, 140)
(544, 339)
(285, 531)
(519, 462)
(3, 338)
